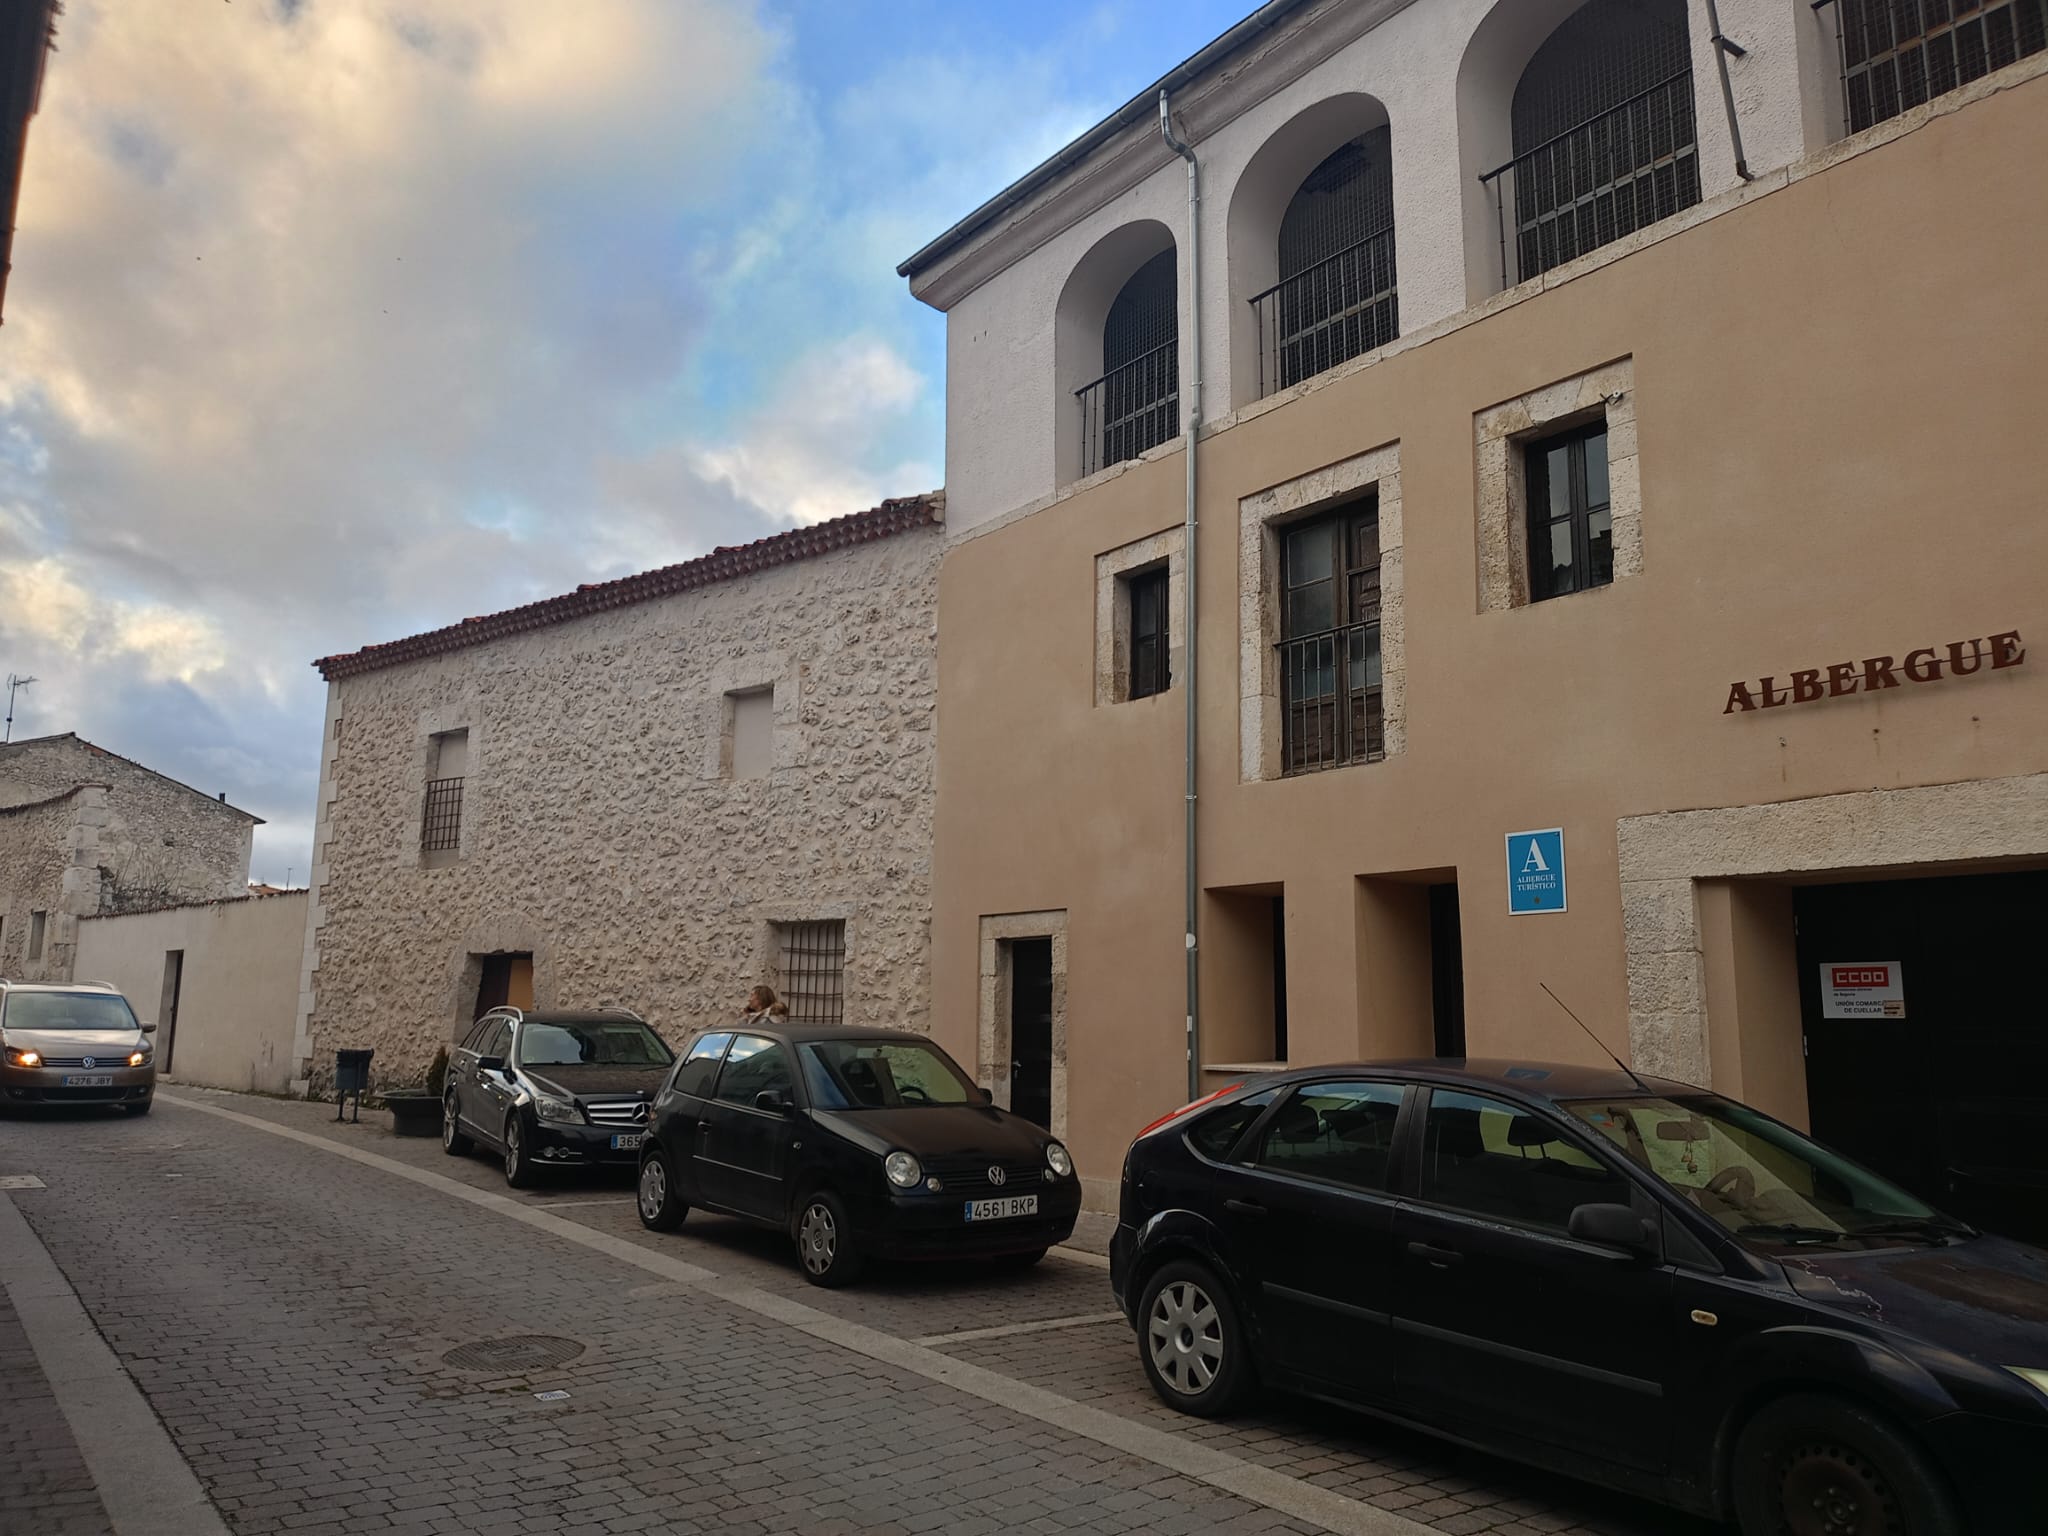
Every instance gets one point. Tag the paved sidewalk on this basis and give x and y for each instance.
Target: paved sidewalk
(45, 1489)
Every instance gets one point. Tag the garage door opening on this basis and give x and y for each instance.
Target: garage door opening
(1926, 1037)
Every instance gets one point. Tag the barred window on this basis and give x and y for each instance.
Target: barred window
(1149, 597)
(1897, 54)
(812, 963)
(447, 767)
(1330, 640)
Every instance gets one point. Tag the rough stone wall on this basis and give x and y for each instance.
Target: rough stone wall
(600, 829)
(48, 858)
(163, 842)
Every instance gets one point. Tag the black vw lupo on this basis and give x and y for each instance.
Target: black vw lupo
(1630, 1280)
(859, 1143)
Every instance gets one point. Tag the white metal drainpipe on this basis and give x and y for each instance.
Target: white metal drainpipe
(1192, 422)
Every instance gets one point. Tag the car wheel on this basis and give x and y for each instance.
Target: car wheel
(661, 1208)
(1192, 1344)
(141, 1108)
(1821, 1466)
(824, 1241)
(519, 1170)
(453, 1142)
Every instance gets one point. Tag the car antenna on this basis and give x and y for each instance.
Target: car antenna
(1631, 1071)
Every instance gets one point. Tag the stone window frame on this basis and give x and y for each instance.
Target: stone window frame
(767, 958)
(1262, 517)
(1501, 432)
(1663, 857)
(751, 674)
(431, 726)
(1113, 572)
(992, 1034)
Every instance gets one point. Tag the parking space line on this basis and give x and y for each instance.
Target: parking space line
(142, 1481)
(1046, 1325)
(1082, 1256)
(1192, 1458)
(563, 1205)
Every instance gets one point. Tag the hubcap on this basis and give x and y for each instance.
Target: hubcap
(448, 1122)
(512, 1139)
(817, 1239)
(1831, 1490)
(653, 1188)
(1185, 1337)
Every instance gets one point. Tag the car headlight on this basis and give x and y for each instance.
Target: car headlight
(903, 1170)
(560, 1111)
(137, 1058)
(1057, 1160)
(2035, 1376)
(24, 1058)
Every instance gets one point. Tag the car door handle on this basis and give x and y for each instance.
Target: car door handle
(1439, 1258)
(1245, 1207)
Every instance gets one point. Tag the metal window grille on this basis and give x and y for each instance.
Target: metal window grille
(1897, 54)
(1135, 405)
(1332, 709)
(814, 971)
(1605, 137)
(1337, 297)
(1571, 524)
(1148, 639)
(441, 827)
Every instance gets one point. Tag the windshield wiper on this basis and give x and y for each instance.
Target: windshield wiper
(1933, 1229)
(1792, 1232)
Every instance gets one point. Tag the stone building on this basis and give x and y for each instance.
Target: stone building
(1577, 439)
(655, 792)
(84, 831)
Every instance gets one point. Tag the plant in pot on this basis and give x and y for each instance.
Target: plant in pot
(417, 1111)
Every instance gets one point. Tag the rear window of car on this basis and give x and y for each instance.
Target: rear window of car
(700, 1065)
(67, 1010)
(1219, 1131)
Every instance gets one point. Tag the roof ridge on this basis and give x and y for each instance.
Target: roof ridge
(896, 514)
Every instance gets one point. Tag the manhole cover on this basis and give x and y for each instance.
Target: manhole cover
(519, 1352)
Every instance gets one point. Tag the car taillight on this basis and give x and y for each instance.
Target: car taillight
(1188, 1109)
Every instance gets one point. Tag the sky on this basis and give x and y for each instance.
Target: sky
(336, 320)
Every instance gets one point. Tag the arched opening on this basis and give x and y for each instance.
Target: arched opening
(1577, 122)
(1311, 247)
(1117, 351)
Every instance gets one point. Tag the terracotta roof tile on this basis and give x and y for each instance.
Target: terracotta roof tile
(900, 514)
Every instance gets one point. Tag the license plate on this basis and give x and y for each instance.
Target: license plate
(95, 1081)
(997, 1210)
(626, 1143)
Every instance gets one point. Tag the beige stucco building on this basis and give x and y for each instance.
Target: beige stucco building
(1757, 377)
(654, 792)
(85, 831)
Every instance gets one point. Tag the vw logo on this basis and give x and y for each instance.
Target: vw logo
(997, 1176)
(88, 1062)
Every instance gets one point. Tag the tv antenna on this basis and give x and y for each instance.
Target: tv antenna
(1631, 1071)
(13, 683)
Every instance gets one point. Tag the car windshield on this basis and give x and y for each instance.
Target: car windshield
(592, 1043)
(1769, 1185)
(881, 1074)
(67, 1010)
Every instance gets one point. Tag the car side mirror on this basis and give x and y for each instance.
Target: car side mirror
(983, 1097)
(490, 1063)
(775, 1100)
(149, 1029)
(1612, 1226)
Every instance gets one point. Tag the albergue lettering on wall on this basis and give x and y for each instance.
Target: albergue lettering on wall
(1929, 664)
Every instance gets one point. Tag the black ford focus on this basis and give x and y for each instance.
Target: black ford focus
(1633, 1281)
(860, 1144)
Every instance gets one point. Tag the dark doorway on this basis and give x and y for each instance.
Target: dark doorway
(505, 980)
(1031, 1030)
(1949, 1097)
(167, 1008)
(1447, 970)
(1279, 978)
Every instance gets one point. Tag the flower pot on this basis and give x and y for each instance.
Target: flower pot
(414, 1114)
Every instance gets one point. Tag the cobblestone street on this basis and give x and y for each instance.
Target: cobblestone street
(346, 1331)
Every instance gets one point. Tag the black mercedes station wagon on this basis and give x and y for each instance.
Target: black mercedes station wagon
(553, 1090)
(861, 1144)
(1633, 1281)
